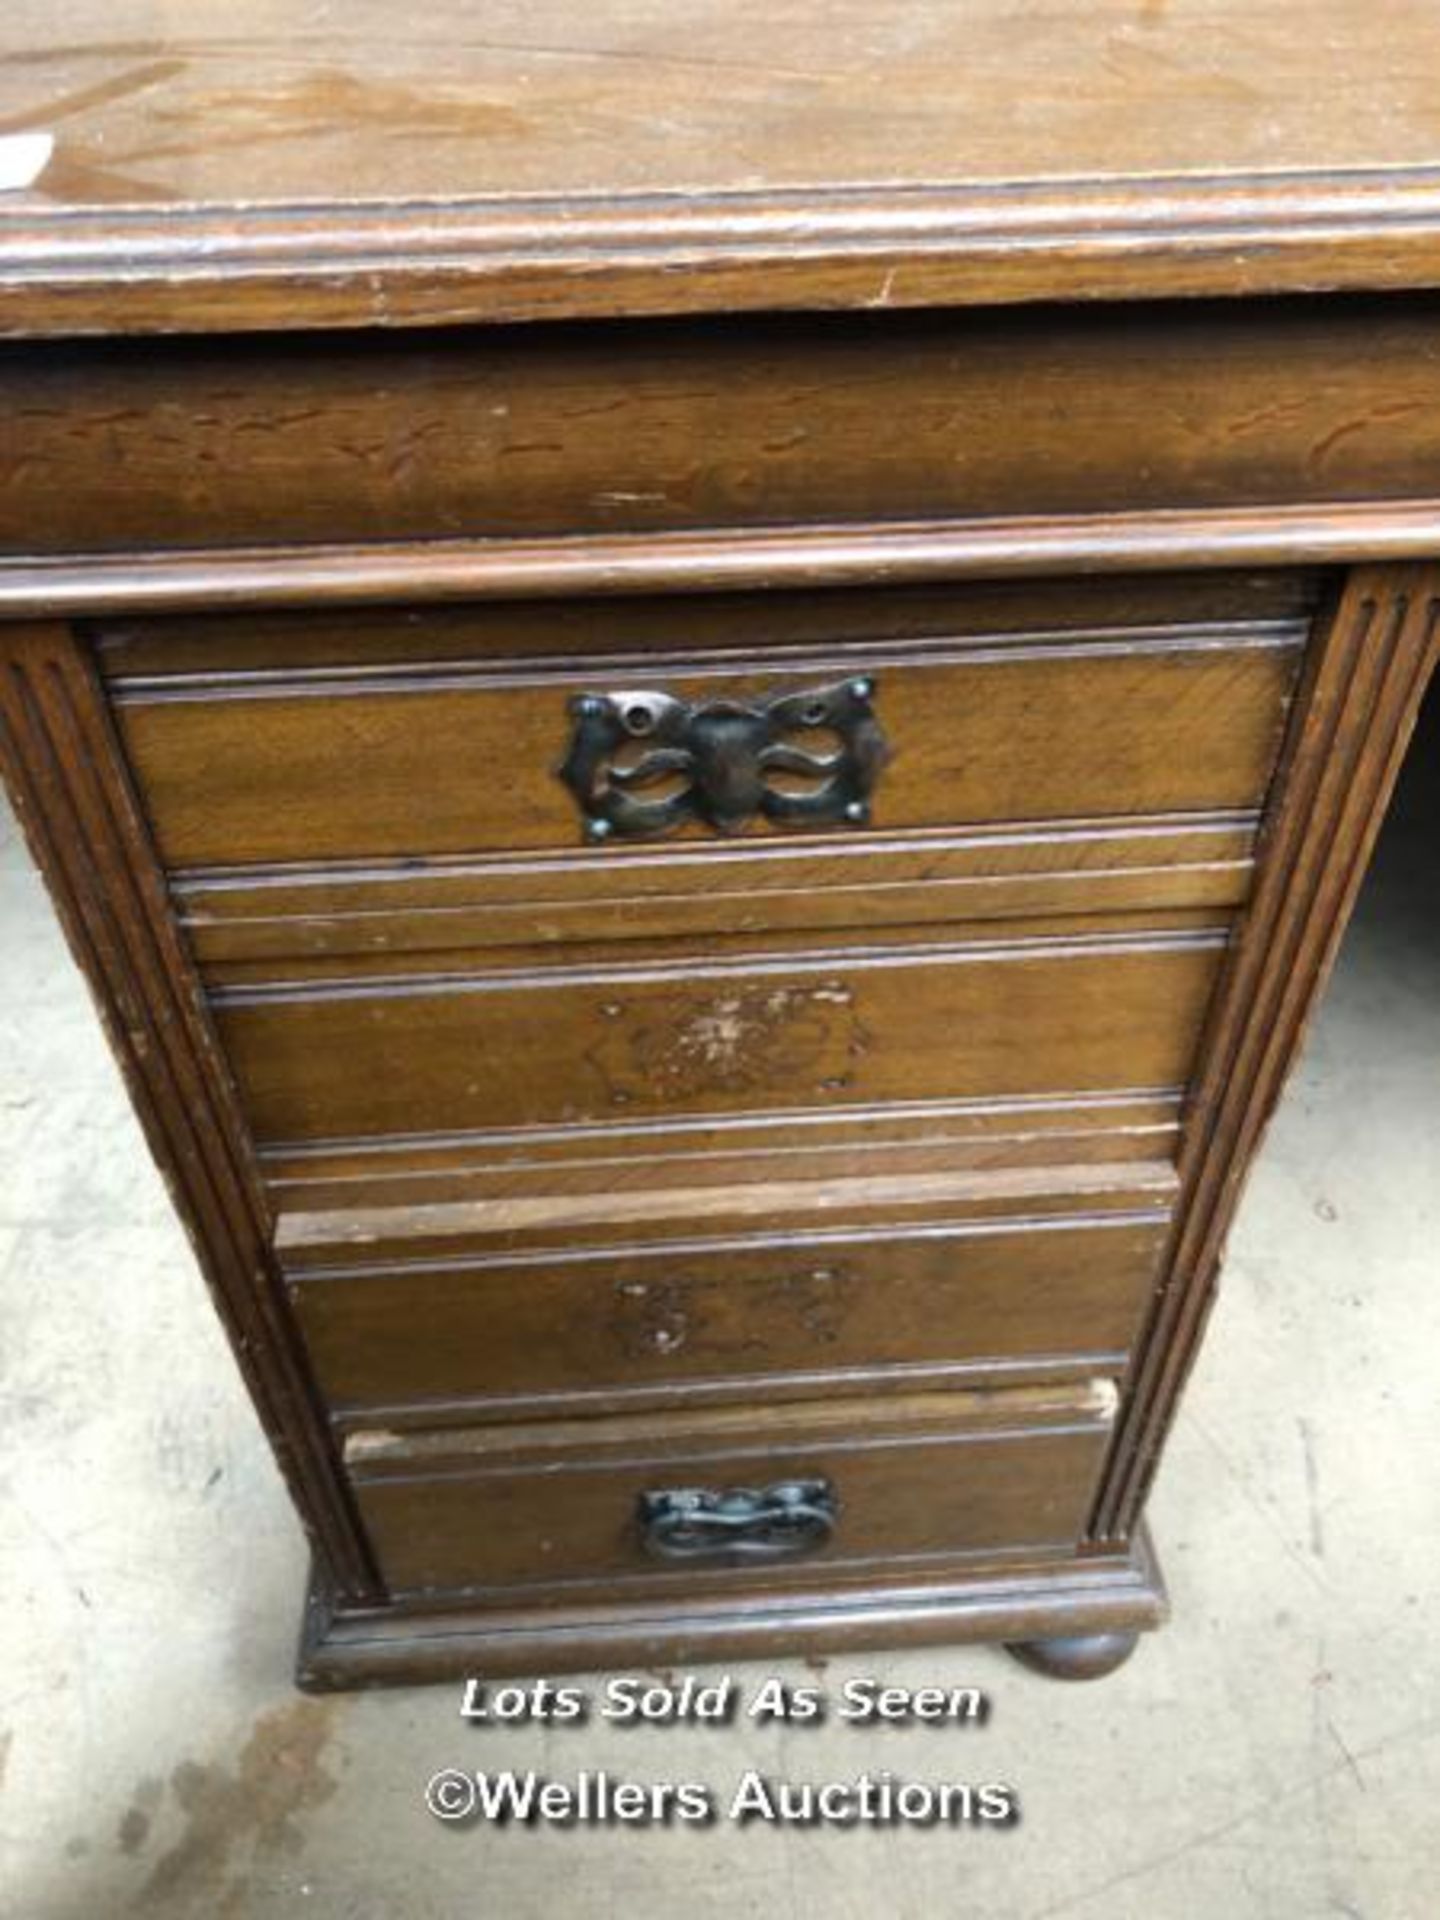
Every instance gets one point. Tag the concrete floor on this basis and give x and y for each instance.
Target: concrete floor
(1274, 1752)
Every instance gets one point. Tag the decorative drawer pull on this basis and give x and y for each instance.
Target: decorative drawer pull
(771, 1523)
(718, 761)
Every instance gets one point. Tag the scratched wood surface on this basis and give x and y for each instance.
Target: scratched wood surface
(929, 1477)
(562, 432)
(461, 759)
(825, 1028)
(758, 1316)
(264, 166)
(235, 101)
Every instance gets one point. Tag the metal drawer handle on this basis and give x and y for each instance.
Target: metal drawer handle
(723, 756)
(769, 1523)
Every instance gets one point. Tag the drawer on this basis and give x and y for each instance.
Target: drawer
(547, 1045)
(670, 426)
(253, 926)
(834, 1486)
(914, 1297)
(271, 742)
(582, 1176)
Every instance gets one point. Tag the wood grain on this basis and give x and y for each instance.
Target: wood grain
(983, 349)
(244, 166)
(791, 1312)
(691, 1036)
(70, 791)
(241, 923)
(550, 1508)
(462, 759)
(250, 103)
(629, 1215)
(1010, 1598)
(397, 1175)
(433, 571)
(139, 655)
(1367, 677)
(532, 433)
(237, 270)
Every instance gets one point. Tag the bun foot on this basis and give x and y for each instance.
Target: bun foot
(1079, 1656)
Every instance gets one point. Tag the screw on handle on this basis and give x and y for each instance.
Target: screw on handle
(737, 1523)
(644, 762)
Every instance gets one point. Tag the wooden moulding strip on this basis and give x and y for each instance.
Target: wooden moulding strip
(1030, 1599)
(813, 1202)
(1353, 720)
(709, 559)
(205, 267)
(84, 825)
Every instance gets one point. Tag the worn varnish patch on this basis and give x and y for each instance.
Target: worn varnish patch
(764, 1036)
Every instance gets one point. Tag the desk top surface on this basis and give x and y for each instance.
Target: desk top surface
(260, 162)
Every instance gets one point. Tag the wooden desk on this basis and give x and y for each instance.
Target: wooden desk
(705, 696)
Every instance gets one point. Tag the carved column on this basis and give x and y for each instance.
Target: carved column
(71, 790)
(1354, 716)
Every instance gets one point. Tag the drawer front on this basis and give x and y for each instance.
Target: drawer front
(829, 1487)
(588, 1175)
(570, 1046)
(253, 926)
(532, 431)
(414, 751)
(656, 1322)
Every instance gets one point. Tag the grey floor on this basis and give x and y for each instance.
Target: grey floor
(1275, 1751)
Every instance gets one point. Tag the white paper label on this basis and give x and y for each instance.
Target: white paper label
(23, 158)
